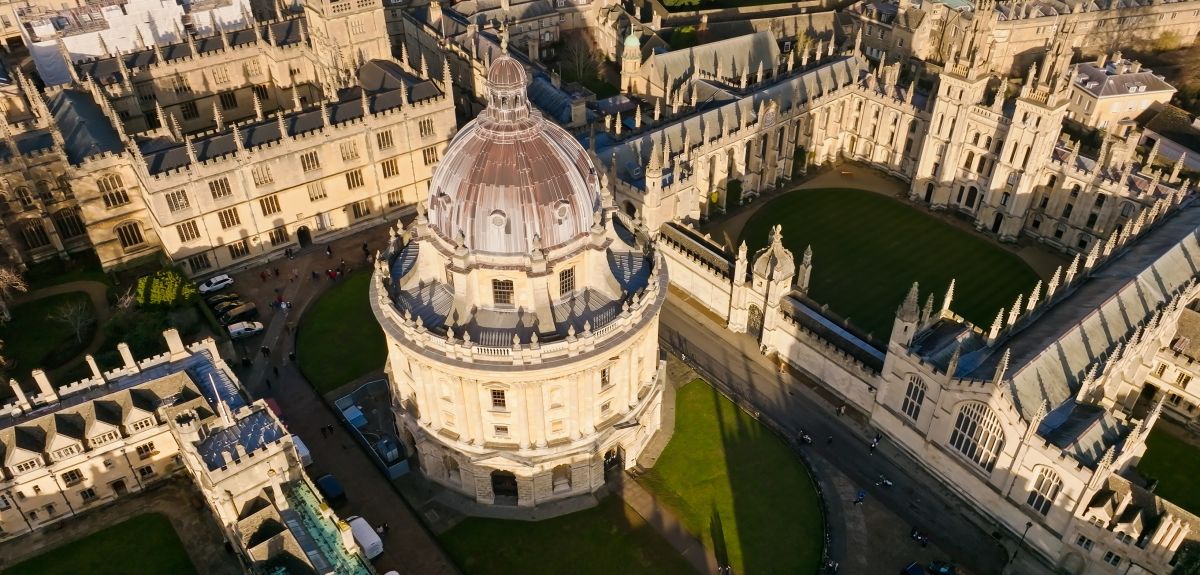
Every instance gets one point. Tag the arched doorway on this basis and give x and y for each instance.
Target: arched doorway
(754, 324)
(560, 479)
(997, 222)
(504, 486)
(929, 193)
(971, 195)
(304, 236)
(614, 459)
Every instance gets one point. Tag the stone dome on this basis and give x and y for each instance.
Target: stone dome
(510, 180)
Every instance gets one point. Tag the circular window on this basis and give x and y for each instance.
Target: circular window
(498, 218)
(561, 210)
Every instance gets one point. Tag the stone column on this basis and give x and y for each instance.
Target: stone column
(537, 417)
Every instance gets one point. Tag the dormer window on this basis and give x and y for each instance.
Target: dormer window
(142, 424)
(502, 292)
(27, 465)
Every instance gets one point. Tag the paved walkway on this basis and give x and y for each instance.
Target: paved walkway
(176, 498)
(726, 230)
(97, 292)
(408, 546)
(880, 542)
(667, 525)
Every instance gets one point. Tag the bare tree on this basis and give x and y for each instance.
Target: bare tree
(126, 301)
(579, 58)
(10, 282)
(77, 315)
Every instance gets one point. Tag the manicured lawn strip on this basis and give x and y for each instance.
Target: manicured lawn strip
(609, 538)
(339, 339)
(1175, 463)
(30, 336)
(726, 476)
(868, 249)
(143, 545)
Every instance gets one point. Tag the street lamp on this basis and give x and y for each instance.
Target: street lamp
(1028, 524)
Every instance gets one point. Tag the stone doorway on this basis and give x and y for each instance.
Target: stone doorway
(754, 324)
(996, 223)
(504, 487)
(304, 236)
(119, 487)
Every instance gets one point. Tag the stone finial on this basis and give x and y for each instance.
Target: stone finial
(997, 324)
(946, 301)
(1071, 270)
(1033, 296)
(1015, 312)
(908, 309)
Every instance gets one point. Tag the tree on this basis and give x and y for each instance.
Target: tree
(579, 59)
(10, 282)
(1187, 559)
(77, 315)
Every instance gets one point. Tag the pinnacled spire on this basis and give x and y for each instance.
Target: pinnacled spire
(138, 38)
(637, 117)
(1092, 257)
(447, 80)
(258, 110)
(744, 78)
(1015, 312)
(221, 34)
(1002, 367)
(912, 89)
(997, 324)
(283, 129)
(325, 119)
(760, 74)
(791, 61)
(617, 123)
(424, 67)
(1110, 245)
(1053, 285)
(1138, 223)
(1153, 153)
(949, 298)
(952, 364)
(927, 310)
(655, 166)
(270, 35)
(220, 120)
(858, 38)
(1071, 270)
(296, 105)
(237, 138)
(657, 109)
(191, 149)
(804, 56)
(103, 45)
(1033, 296)
(1036, 420)
(908, 310)
(175, 126)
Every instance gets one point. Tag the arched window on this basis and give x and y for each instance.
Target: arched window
(560, 478)
(453, 471)
(978, 434)
(129, 234)
(34, 234)
(112, 190)
(970, 160)
(914, 397)
(1053, 179)
(1044, 490)
(24, 197)
(1004, 198)
(68, 223)
(1075, 190)
(502, 292)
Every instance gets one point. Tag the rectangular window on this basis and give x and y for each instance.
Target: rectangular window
(384, 139)
(502, 292)
(87, 494)
(501, 431)
(1084, 542)
(361, 209)
(606, 408)
(390, 168)
(354, 179)
(199, 263)
(393, 198)
(143, 424)
(239, 249)
(228, 100)
(146, 450)
(349, 150)
(426, 127)
(1066, 213)
(498, 399)
(430, 155)
(229, 218)
(179, 85)
(309, 161)
(146, 471)
(1045, 202)
(71, 477)
(1183, 380)
(1112, 558)
(262, 175)
(253, 68)
(316, 191)
(220, 188)
(566, 281)
(220, 74)
(1160, 370)
(269, 204)
(278, 236)
(189, 110)
(177, 200)
(188, 231)
(605, 377)
(4, 503)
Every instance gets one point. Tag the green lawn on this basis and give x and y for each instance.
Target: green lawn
(609, 538)
(868, 249)
(32, 341)
(738, 486)
(1175, 463)
(146, 544)
(81, 267)
(339, 339)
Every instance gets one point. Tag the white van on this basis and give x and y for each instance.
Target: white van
(302, 450)
(366, 537)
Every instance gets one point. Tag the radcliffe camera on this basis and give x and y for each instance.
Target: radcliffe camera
(649, 287)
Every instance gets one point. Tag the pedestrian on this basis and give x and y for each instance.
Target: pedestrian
(268, 380)
(277, 274)
(841, 410)
(829, 440)
(328, 251)
(343, 263)
(288, 253)
(872, 449)
(365, 250)
(276, 291)
(292, 356)
(385, 526)
(275, 370)
(379, 529)
(263, 276)
(862, 495)
(315, 275)
(266, 351)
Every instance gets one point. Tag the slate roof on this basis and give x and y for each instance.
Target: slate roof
(1187, 333)
(1173, 124)
(380, 78)
(86, 130)
(108, 70)
(1051, 354)
(729, 56)
(1106, 83)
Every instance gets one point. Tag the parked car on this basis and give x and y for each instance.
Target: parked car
(244, 312)
(366, 537)
(943, 568)
(226, 306)
(222, 298)
(243, 329)
(913, 568)
(215, 283)
(331, 489)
